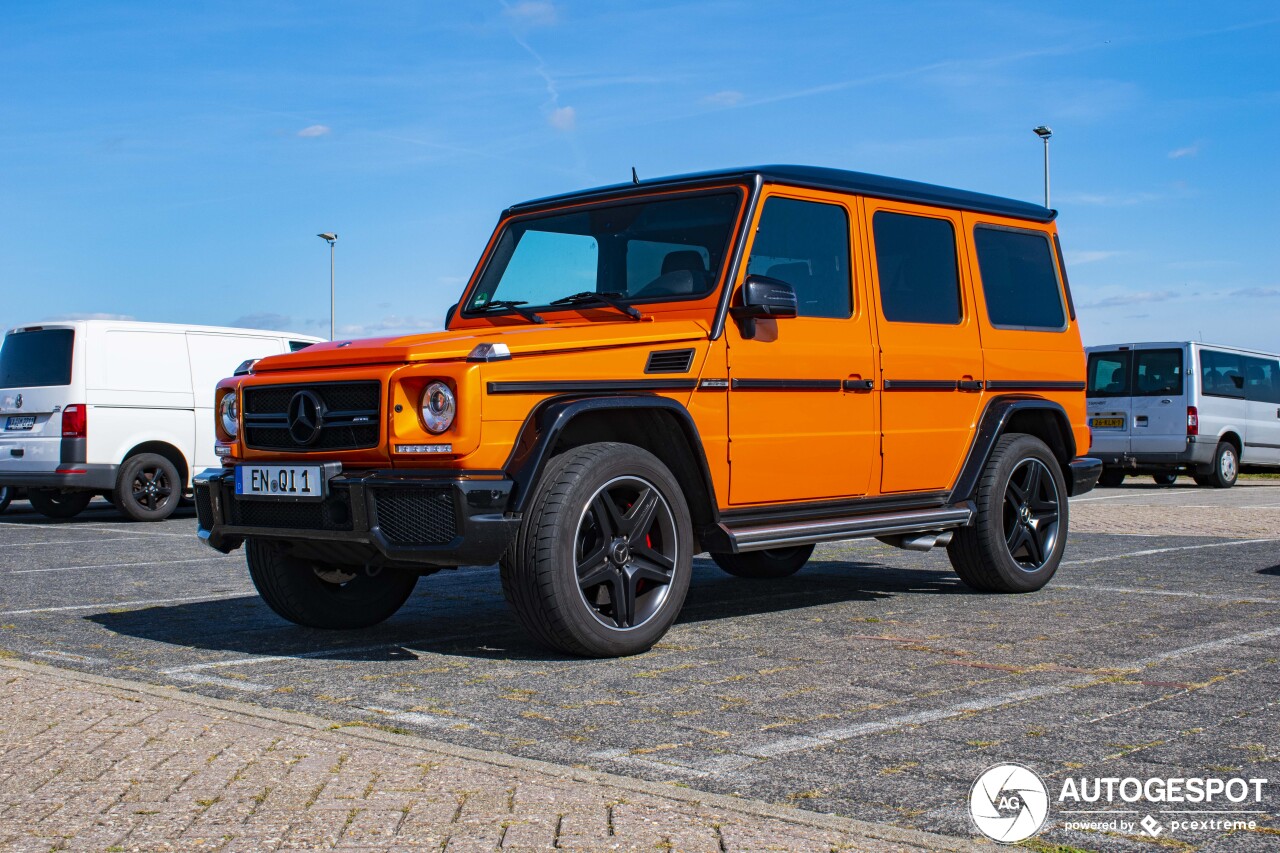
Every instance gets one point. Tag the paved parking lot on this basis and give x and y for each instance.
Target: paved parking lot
(872, 685)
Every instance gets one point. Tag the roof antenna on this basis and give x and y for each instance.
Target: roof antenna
(635, 179)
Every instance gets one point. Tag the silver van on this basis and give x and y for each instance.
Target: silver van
(1183, 407)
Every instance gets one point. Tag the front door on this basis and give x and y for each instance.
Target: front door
(930, 349)
(801, 416)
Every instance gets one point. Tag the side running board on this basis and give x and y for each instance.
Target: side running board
(783, 534)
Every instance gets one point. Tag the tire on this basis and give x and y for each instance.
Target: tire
(1019, 533)
(52, 503)
(148, 488)
(1111, 478)
(318, 595)
(1226, 467)
(6, 497)
(1165, 479)
(578, 576)
(772, 563)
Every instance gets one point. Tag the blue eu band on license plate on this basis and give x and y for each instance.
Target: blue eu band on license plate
(283, 482)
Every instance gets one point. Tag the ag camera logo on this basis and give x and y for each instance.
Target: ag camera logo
(1009, 803)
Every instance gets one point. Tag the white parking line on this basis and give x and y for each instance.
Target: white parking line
(197, 678)
(116, 565)
(70, 541)
(318, 653)
(1124, 590)
(111, 605)
(1151, 551)
(71, 526)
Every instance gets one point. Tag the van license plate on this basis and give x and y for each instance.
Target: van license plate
(20, 422)
(297, 482)
(1107, 423)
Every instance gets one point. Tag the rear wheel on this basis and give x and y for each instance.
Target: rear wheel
(1020, 531)
(1165, 479)
(320, 595)
(771, 563)
(1111, 477)
(1226, 467)
(602, 561)
(6, 497)
(52, 503)
(147, 488)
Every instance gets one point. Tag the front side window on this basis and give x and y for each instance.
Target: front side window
(661, 249)
(916, 261)
(36, 359)
(1108, 374)
(1019, 279)
(1221, 374)
(1261, 379)
(806, 244)
(1158, 372)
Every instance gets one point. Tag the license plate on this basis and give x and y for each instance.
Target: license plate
(297, 482)
(20, 422)
(1107, 423)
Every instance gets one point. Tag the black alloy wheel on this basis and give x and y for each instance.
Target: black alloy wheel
(148, 488)
(1031, 508)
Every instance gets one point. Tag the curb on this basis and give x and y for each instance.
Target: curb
(319, 727)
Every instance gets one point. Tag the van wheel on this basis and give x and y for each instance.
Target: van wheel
(1020, 530)
(6, 497)
(319, 595)
(1226, 467)
(771, 563)
(52, 503)
(602, 561)
(1111, 477)
(147, 488)
(1165, 479)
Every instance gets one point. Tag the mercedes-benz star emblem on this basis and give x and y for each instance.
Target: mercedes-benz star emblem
(306, 418)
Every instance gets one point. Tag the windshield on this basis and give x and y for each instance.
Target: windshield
(35, 359)
(663, 249)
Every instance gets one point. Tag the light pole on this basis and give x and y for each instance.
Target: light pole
(331, 238)
(1044, 132)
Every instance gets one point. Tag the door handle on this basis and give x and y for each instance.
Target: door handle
(969, 384)
(1141, 420)
(857, 383)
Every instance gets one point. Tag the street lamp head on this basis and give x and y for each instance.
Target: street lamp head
(1043, 131)
(331, 237)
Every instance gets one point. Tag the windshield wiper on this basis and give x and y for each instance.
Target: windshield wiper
(610, 298)
(511, 305)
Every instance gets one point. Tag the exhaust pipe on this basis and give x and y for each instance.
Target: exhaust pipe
(919, 541)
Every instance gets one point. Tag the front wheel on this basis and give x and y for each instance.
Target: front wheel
(771, 563)
(52, 503)
(320, 595)
(1018, 535)
(603, 558)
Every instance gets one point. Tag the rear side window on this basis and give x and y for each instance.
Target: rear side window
(1158, 372)
(916, 261)
(1261, 379)
(1108, 374)
(36, 359)
(1221, 374)
(806, 244)
(1019, 279)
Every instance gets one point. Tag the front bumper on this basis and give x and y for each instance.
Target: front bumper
(1085, 472)
(372, 518)
(73, 475)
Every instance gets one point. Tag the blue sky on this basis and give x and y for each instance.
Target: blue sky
(173, 161)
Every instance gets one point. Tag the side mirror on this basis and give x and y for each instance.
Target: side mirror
(764, 298)
(448, 315)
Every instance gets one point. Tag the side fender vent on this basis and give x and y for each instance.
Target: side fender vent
(669, 361)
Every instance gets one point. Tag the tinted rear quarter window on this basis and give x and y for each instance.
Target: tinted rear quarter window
(36, 359)
(1108, 374)
(1019, 279)
(916, 260)
(806, 244)
(1221, 374)
(1158, 373)
(1261, 379)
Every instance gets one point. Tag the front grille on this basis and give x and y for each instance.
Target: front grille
(333, 513)
(204, 506)
(416, 516)
(351, 414)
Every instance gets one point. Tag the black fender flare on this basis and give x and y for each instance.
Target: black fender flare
(992, 425)
(544, 425)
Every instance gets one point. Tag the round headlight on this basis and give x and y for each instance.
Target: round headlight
(438, 407)
(229, 414)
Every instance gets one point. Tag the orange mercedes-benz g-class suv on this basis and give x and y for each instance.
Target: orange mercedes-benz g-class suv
(744, 362)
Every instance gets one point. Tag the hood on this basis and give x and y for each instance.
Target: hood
(457, 345)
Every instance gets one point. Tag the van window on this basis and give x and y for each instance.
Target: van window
(1108, 374)
(806, 244)
(1221, 374)
(36, 359)
(1158, 372)
(1018, 279)
(294, 346)
(916, 260)
(1261, 379)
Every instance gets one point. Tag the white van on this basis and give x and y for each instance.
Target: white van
(120, 409)
(1184, 407)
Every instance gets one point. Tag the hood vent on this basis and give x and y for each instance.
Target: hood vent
(669, 361)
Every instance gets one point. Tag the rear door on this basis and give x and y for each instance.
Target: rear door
(1159, 401)
(1262, 391)
(36, 372)
(1109, 404)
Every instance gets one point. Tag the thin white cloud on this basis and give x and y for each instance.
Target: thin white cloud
(533, 13)
(1188, 151)
(1089, 256)
(392, 324)
(1135, 298)
(1257, 292)
(1109, 199)
(92, 315)
(563, 118)
(315, 130)
(726, 98)
(264, 320)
